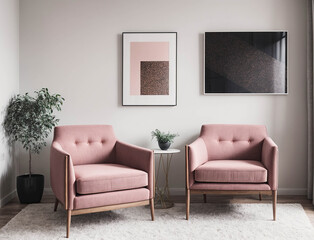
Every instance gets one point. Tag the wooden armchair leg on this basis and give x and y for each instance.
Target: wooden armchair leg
(187, 204)
(204, 197)
(56, 204)
(260, 196)
(152, 208)
(274, 192)
(68, 223)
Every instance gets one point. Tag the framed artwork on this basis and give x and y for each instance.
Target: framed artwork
(149, 69)
(246, 62)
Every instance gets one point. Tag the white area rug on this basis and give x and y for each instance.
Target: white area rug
(207, 221)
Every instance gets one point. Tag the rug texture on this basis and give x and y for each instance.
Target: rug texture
(207, 221)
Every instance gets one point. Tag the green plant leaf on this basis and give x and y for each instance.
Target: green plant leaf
(30, 120)
(163, 137)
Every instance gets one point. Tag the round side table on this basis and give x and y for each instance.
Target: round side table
(162, 199)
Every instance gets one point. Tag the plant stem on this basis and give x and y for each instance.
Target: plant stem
(30, 162)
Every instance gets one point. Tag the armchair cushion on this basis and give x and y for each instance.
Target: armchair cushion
(236, 142)
(87, 144)
(100, 178)
(139, 158)
(231, 171)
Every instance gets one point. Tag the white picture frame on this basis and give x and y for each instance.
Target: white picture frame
(132, 83)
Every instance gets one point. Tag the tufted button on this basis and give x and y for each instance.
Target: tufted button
(75, 142)
(102, 141)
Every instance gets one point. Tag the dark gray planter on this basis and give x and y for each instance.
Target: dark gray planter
(30, 189)
(164, 146)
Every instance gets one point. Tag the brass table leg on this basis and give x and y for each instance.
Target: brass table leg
(162, 199)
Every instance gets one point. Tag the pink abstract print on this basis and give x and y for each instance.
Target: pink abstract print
(149, 68)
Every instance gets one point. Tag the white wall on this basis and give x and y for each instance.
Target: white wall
(73, 47)
(9, 85)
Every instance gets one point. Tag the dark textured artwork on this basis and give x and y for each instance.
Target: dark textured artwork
(246, 62)
(154, 77)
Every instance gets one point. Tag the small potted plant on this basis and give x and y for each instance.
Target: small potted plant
(164, 139)
(29, 120)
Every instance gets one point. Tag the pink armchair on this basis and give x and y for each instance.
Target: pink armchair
(232, 159)
(91, 171)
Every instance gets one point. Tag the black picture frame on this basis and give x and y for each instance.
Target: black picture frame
(253, 62)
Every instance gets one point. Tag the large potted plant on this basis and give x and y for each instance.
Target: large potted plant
(29, 120)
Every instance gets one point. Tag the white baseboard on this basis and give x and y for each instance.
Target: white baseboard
(13, 194)
(292, 191)
(48, 190)
(281, 191)
(7, 198)
(177, 191)
(181, 191)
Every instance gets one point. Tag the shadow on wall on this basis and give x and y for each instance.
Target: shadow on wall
(201, 37)
(8, 158)
(7, 167)
(119, 69)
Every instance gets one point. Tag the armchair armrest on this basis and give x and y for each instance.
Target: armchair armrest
(196, 155)
(270, 161)
(62, 176)
(139, 158)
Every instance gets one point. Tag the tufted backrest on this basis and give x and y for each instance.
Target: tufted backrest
(87, 144)
(233, 142)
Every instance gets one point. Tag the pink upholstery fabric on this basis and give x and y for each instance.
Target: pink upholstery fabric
(231, 171)
(87, 143)
(235, 142)
(139, 158)
(197, 154)
(100, 178)
(111, 198)
(96, 144)
(57, 171)
(231, 186)
(270, 160)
